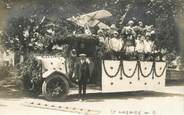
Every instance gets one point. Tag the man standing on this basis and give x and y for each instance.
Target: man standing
(83, 75)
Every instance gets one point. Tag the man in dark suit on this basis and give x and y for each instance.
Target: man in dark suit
(83, 75)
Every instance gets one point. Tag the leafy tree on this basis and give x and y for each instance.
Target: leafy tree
(30, 35)
(165, 12)
(27, 32)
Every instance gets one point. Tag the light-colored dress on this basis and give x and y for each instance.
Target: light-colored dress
(148, 46)
(115, 44)
(139, 46)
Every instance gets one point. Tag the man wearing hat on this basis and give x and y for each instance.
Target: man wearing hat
(83, 75)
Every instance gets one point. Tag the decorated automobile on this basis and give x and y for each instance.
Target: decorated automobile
(117, 75)
(118, 68)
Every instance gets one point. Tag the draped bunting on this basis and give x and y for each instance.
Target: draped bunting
(132, 75)
(146, 68)
(160, 68)
(111, 69)
(129, 68)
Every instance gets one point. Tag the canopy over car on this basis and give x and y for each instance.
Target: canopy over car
(82, 43)
(69, 39)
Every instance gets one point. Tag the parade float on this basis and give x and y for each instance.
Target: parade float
(115, 75)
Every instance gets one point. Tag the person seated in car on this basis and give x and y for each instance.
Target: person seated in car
(101, 46)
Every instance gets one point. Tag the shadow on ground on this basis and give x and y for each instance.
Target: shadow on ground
(12, 92)
(97, 97)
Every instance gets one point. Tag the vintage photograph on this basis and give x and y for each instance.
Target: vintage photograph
(92, 57)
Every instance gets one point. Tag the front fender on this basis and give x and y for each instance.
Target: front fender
(48, 73)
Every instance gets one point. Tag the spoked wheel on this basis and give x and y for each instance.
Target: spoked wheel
(55, 87)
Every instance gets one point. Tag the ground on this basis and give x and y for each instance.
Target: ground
(167, 101)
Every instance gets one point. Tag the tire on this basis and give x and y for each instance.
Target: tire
(55, 87)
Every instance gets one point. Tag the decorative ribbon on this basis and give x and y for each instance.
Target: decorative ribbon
(155, 72)
(129, 76)
(151, 71)
(121, 69)
(111, 76)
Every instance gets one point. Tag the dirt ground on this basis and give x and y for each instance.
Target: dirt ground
(168, 101)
